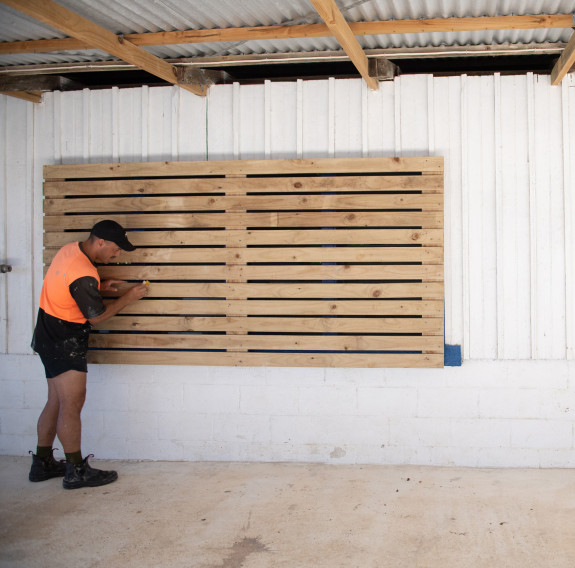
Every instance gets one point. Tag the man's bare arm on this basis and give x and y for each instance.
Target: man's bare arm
(134, 294)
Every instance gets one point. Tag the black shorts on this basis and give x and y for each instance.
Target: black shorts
(55, 367)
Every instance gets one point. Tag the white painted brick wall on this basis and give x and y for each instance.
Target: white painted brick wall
(269, 400)
(483, 414)
(387, 401)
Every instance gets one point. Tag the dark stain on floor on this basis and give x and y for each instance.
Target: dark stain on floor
(241, 550)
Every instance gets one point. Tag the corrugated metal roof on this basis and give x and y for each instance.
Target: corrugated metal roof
(139, 16)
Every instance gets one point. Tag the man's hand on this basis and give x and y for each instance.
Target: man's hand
(136, 292)
(132, 295)
(110, 285)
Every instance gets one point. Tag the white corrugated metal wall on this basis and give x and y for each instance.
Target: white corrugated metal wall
(506, 143)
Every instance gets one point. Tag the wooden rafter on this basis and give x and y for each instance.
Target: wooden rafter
(30, 96)
(338, 26)
(95, 36)
(564, 63)
(303, 31)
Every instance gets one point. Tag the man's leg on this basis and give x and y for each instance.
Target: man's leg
(49, 418)
(44, 466)
(70, 391)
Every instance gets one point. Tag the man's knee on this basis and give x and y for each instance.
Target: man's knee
(71, 389)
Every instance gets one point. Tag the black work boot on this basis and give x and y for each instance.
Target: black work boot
(46, 468)
(82, 475)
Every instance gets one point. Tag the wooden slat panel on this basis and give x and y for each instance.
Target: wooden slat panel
(424, 183)
(427, 255)
(428, 308)
(432, 202)
(268, 263)
(266, 359)
(428, 344)
(245, 167)
(361, 325)
(425, 272)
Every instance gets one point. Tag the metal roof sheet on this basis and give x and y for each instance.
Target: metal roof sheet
(139, 16)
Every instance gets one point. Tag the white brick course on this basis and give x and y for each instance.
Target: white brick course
(12, 394)
(242, 428)
(454, 402)
(185, 425)
(482, 433)
(542, 434)
(387, 401)
(156, 398)
(218, 398)
(510, 403)
(100, 396)
(270, 400)
(328, 400)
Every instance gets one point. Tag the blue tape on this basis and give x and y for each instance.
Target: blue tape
(452, 356)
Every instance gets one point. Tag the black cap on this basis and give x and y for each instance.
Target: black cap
(111, 231)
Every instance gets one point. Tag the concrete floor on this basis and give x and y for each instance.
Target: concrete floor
(232, 515)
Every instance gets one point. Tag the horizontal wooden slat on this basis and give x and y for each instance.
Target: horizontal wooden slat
(245, 167)
(424, 183)
(234, 238)
(427, 255)
(426, 290)
(428, 202)
(360, 219)
(433, 308)
(267, 359)
(427, 344)
(293, 220)
(362, 325)
(426, 272)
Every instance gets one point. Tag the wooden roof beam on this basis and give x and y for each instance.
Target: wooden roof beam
(37, 83)
(302, 31)
(338, 26)
(30, 96)
(566, 60)
(97, 37)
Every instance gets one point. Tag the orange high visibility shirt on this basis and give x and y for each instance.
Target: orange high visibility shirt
(69, 264)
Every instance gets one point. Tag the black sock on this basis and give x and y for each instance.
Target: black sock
(74, 457)
(43, 451)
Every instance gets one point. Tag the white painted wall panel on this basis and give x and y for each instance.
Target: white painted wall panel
(18, 181)
(249, 115)
(192, 130)
(548, 244)
(101, 133)
(568, 119)
(317, 119)
(130, 125)
(413, 115)
(281, 120)
(513, 220)
(379, 121)
(3, 228)
(447, 141)
(348, 119)
(160, 125)
(479, 202)
(220, 130)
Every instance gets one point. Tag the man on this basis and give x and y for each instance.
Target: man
(70, 303)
